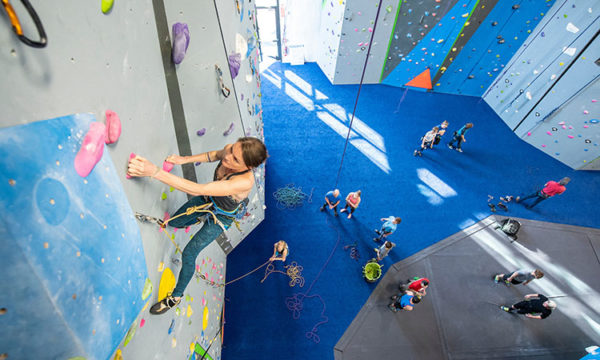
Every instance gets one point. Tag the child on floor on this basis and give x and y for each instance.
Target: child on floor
(427, 141)
(384, 250)
(459, 137)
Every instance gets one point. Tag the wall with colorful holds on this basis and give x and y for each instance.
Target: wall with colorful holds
(330, 31)
(547, 92)
(96, 268)
(495, 31)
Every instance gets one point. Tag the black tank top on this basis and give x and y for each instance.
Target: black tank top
(227, 203)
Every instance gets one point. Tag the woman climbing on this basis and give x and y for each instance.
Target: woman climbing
(227, 194)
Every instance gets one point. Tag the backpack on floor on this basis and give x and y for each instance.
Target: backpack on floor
(510, 227)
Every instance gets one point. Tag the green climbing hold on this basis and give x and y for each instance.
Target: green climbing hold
(130, 333)
(177, 311)
(163, 196)
(147, 289)
(389, 9)
(107, 5)
(171, 189)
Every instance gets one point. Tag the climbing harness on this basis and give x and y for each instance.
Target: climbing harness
(16, 24)
(208, 209)
(224, 89)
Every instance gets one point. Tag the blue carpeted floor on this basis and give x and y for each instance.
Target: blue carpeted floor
(435, 195)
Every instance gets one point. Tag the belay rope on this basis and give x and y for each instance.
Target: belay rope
(294, 271)
(289, 197)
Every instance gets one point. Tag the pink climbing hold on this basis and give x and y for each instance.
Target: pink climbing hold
(167, 166)
(187, 229)
(585, 126)
(165, 218)
(564, 127)
(594, 100)
(91, 149)
(543, 145)
(529, 133)
(370, 29)
(142, 322)
(570, 136)
(131, 156)
(561, 123)
(113, 127)
(548, 132)
(586, 112)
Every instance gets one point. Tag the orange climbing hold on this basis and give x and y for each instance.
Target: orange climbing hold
(423, 80)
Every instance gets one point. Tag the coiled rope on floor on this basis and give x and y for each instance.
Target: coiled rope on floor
(289, 197)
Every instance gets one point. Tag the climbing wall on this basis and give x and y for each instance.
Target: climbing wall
(330, 32)
(430, 50)
(87, 270)
(494, 33)
(358, 31)
(547, 93)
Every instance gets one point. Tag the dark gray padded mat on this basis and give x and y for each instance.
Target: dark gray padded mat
(456, 319)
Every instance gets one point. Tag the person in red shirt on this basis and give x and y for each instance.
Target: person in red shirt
(550, 189)
(419, 286)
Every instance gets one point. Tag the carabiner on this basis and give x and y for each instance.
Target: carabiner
(16, 24)
(224, 90)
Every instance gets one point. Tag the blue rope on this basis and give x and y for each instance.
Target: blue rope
(289, 197)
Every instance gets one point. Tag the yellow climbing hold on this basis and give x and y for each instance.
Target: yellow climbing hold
(118, 355)
(173, 342)
(192, 347)
(167, 283)
(189, 311)
(106, 5)
(205, 318)
(161, 266)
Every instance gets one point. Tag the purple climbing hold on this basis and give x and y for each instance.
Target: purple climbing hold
(181, 40)
(197, 163)
(201, 132)
(230, 130)
(235, 60)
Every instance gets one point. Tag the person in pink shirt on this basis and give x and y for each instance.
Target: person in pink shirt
(352, 201)
(550, 189)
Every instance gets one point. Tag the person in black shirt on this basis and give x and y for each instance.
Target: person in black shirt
(535, 306)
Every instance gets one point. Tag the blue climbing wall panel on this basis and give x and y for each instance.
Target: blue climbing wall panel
(71, 251)
(431, 51)
(498, 37)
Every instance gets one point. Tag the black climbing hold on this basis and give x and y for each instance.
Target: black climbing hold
(506, 81)
(494, 23)
(501, 41)
(588, 141)
(516, 6)
(471, 76)
(554, 129)
(499, 37)
(520, 91)
(537, 114)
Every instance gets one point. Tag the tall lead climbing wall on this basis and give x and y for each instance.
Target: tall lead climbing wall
(548, 92)
(84, 268)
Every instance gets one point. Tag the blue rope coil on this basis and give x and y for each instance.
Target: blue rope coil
(289, 197)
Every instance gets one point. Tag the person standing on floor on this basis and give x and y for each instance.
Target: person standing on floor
(352, 201)
(427, 141)
(521, 276)
(459, 137)
(332, 200)
(404, 301)
(384, 250)
(442, 130)
(535, 306)
(551, 188)
(389, 226)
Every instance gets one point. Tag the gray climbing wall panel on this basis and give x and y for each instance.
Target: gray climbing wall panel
(97, 61)
(548, 92)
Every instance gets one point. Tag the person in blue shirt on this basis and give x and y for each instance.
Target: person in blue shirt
(388, 227)
(332, 200)
(404, 301)
(459, 137)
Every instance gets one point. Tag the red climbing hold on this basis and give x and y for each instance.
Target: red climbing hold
(423, 80)
(113, 127)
